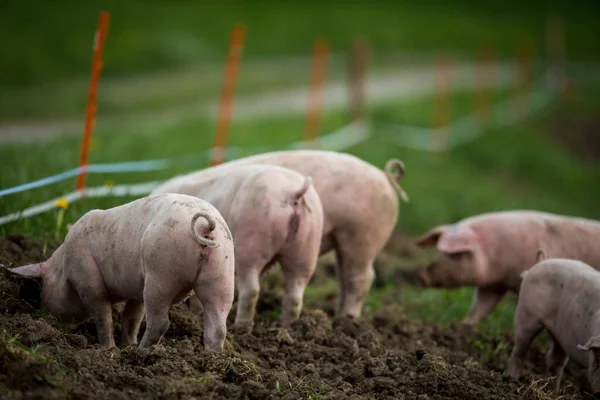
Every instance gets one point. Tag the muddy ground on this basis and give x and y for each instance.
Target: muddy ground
(380, 356)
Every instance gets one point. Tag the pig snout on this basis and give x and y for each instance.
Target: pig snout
(204, 241)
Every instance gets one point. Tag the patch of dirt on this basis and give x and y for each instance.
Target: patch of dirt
(381, 355)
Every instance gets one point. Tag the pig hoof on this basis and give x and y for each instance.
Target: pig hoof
(283, 336)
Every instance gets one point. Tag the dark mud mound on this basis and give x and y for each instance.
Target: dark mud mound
(379, 356)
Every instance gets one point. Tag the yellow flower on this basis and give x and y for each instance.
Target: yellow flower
(62, 203)
(109, 183)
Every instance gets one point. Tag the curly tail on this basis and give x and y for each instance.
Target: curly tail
(540, 255)
(395, 177)
(299, 194)
(211, 227)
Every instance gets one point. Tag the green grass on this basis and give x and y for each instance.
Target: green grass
(44, 41)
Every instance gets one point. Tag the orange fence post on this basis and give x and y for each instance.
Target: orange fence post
(236, 47)
(522, 83)
(358, 61)
(485, 85)
(99, 38)
(555, 45)
(317, 85)
(442, 108)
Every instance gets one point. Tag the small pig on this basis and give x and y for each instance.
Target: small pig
(275, 215)
(491, 250)
(360, 206)
(151, 253)
(563, 296)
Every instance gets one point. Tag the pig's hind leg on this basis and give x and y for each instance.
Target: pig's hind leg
(248, 283)
(158, 298)
(526, 327)
(215, 290)
(556, 359)
(298, 266)
(133, 313)
(485, 300)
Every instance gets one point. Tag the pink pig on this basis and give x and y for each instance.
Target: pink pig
(360, 206)
(151, 253)
(275, 215)
(563, 296)
(491, 250)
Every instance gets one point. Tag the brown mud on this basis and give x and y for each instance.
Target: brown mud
(379, 356)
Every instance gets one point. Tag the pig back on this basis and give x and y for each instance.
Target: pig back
(573, 238)
(351, 190)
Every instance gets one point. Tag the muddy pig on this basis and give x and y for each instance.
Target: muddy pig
(275, 215)
(563, 296)
(491, 250)
(152, 252)
(360, 207)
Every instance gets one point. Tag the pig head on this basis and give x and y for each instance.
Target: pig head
(461, 260)
(57, 296)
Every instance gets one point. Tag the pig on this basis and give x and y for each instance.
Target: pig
(491, 250)
(151, 253)
(275, 216)
(563, 296)
(360, 207)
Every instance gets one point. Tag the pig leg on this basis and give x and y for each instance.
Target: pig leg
(556, 359)
(356, 277)
(101, 311)
(157, 300)
(527, 327)
(133, 313)
(248, 291)
(298, 267)
(484, 301)
(194, 305)
(215, 289)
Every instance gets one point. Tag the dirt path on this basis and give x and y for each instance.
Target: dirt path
(383, 87)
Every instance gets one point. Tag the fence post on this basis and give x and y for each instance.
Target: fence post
(441, 115)
(485, 85)
(236, 47)
(556, 56)
(320, 57)
(357, 67)
(99, 38)
(522, 84)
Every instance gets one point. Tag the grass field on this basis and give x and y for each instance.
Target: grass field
(42, 43)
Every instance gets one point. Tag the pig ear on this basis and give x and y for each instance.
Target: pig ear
(431, 238)
(29, 271)
(458, 240)
(594, 342)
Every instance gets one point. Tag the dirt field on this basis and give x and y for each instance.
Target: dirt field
(382, 356)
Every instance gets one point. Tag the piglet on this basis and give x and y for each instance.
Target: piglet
(152, 252)
(491, 250)
(275, 216)
(563, 296)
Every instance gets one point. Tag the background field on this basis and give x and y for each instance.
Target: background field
(162, 57)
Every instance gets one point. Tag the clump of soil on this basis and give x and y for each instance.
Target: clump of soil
(381, 355)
